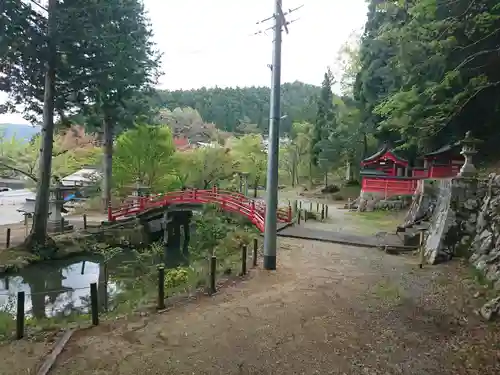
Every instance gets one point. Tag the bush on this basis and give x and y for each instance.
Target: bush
(330, 189)
(176, 277)
(352, 183)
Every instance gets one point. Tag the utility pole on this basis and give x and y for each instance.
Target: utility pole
(270, 222)
(270, 227)
(39, 230)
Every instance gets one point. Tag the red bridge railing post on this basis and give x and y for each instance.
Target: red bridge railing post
(110, 212)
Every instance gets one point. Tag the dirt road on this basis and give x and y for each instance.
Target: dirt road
(327, 310)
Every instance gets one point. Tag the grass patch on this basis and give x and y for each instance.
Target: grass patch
(480, 278)
(347, 192)
(387, 291)
(376, 221)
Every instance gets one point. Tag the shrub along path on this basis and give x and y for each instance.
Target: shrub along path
(329, 309)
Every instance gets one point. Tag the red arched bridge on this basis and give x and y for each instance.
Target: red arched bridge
(227, 200)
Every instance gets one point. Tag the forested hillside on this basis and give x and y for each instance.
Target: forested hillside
(230, 108)
(430, 71)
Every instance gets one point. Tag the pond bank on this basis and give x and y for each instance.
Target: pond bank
(57, 293)
(70, 244)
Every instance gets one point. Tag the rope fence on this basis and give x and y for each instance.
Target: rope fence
(97, 306)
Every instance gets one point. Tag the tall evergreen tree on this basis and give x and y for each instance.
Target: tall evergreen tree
(104, 61)
(325, 117)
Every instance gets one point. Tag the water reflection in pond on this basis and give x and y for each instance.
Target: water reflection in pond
(58, 288)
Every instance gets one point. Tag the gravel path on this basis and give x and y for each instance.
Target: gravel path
(327, 310)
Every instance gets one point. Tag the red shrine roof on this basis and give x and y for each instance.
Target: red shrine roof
(383, 154)
(449, 148)
(181, 143)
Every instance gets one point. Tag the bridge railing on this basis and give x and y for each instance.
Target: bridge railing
(228, 200)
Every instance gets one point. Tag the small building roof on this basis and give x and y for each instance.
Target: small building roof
(372, 172)
(444, 149)
(83, 176)
(384, 152)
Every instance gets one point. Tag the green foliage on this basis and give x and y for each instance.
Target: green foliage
(325, 121)
(427, 72)
(105, 62)
(250, 157)
(236, 109)
(210, 230)
(201, 168)
(19, 158)
(176, 277)
(144, 154)
(300, 151)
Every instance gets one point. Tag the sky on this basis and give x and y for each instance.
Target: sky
(211, 43)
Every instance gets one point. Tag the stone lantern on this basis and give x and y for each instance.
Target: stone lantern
(245, 183)
(138, 189)
(56, 222)
(468, 150)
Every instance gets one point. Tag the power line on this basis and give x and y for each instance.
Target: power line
(284, 22)
(38, 5)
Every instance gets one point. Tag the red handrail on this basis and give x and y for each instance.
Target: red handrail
(229, 201)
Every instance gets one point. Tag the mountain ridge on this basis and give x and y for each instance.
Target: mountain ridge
(22, 132)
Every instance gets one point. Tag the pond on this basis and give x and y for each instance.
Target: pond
(129, 279)
(126, 279)
(59, 287)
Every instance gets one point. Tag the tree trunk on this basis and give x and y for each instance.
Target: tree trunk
(102, 287)
(39, 229)
(348, 171)
(107, 164)
(310, 175)
(326, 179)
(294, 167)
(365, 146)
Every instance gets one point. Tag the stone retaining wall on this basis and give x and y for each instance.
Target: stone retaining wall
(485, 245)
(466, 222)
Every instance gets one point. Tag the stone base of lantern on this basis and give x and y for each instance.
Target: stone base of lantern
(55, 226)
(468, 170)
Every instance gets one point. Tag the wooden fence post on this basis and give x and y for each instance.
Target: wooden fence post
(255, 249)
(243, 260)
(161, 288)
(213, 269)
(7, 240)
(85, 221)
(94, 307)
(326, 211)
(422, 250)
(20, 315)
